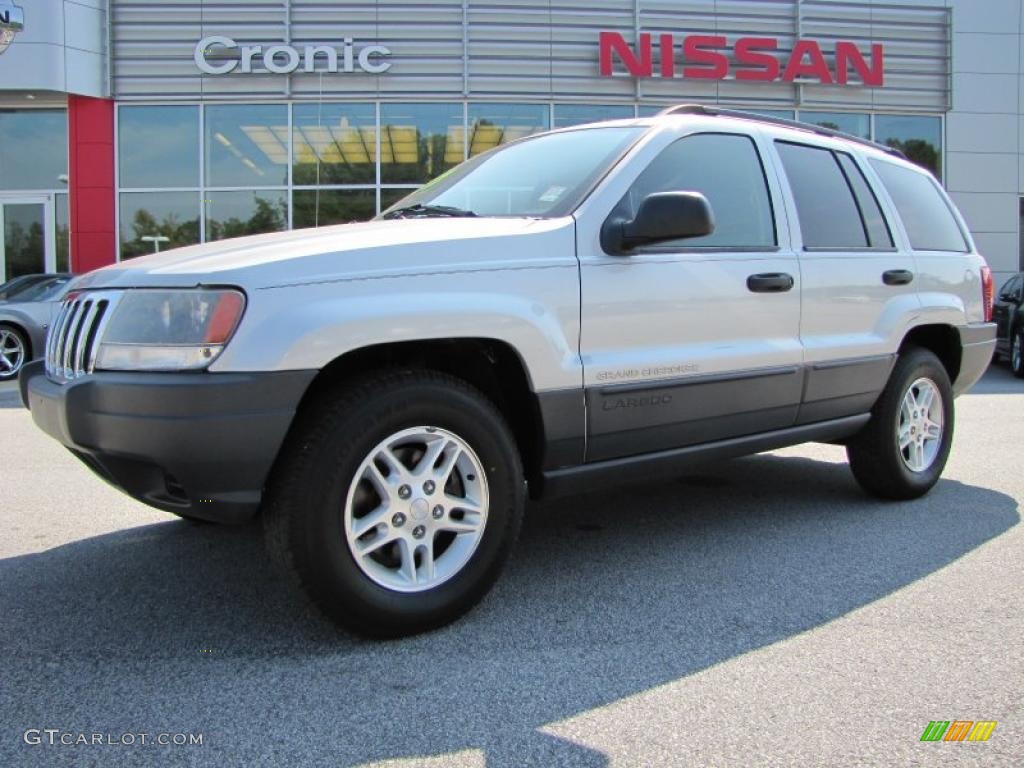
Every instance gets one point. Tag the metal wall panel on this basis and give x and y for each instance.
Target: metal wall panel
(516, 49)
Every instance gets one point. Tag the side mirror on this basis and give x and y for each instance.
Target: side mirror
(661, 216)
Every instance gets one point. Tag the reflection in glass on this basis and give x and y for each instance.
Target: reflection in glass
(785, 114)
(389, 197)
(847, 122)
(33, 148)
(246, 145)
(919, 137)
(493, 124)
(334, 144)
(158, 146)
(174, 215)
(577, 114)
(650, 110)
(419, 142)
(322, 207)
(233, 214)
(63, 233)
(24, 239)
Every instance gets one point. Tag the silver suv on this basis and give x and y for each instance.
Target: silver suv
(584, 307)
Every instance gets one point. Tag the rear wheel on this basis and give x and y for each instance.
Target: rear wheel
(13, 352)
(1017, 354)
(396, 502)
(902, 451)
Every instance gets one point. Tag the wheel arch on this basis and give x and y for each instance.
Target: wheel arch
(941, 339)
(490, 365)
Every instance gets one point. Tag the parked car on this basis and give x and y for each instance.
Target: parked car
(24, 320)
(600, 304)
(1009, 317)
(15, 285)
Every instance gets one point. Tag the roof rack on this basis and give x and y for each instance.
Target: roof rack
(700, 109)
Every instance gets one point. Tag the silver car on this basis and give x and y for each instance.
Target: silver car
(24, 318)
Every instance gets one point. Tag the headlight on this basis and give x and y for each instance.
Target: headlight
(169, 330)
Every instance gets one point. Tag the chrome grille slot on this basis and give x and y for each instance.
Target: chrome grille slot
(74, 338)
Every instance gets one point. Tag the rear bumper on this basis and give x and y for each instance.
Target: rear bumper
(978, 343)
(197, 444)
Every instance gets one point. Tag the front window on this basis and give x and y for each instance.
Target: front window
(544, 177)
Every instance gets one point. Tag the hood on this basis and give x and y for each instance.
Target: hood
(372, 249)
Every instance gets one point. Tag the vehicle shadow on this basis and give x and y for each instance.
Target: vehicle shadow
(178, 627)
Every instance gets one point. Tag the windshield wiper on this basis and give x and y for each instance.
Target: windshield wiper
(423, 211)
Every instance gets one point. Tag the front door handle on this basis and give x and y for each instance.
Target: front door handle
(898, 277)
(770, 282)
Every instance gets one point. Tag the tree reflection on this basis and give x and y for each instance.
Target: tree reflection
(269, 216)
(918, 151)
(25, 248)
(177, 231)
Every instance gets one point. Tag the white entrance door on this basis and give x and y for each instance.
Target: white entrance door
(27, 242)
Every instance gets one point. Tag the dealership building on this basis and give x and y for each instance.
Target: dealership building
(132, 125)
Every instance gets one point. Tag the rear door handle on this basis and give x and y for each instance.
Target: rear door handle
(770, 282)
(898, 277)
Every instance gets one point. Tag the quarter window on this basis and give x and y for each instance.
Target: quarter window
(828, 213)
(925, 213)
(727, 170)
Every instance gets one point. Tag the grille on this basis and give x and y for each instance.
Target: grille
(74, 338)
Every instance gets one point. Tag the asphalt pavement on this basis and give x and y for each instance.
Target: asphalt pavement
(758, 612)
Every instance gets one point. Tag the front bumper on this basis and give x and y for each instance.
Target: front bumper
(197, 444)
(977, 344)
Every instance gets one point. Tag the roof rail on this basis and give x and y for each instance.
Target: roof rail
(700, 109)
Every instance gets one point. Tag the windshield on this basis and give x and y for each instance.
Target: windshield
(543, 176)
(48, 290)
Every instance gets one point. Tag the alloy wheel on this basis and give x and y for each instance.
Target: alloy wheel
(416, 509)
(12, 352)
(920, 425)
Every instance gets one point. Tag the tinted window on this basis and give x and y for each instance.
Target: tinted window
(727, 170)
(926, 215)
(828, 213)
(874, 222)
(1011, 288)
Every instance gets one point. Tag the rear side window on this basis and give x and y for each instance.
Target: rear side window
(925, 213)
(828, 213)
(727, 170)
(874, 222)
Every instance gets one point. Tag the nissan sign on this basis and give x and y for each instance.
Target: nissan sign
(12, 21)
(706, 57)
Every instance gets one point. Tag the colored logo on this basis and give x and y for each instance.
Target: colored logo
(958, 730)
(12, 21)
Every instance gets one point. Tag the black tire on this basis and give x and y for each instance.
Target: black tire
(9, 375)
(1017, 357)
(304, 515)
(875, 457)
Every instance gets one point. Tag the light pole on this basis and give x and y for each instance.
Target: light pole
(155, 240)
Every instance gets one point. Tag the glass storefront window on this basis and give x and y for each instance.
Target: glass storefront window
(33, 148)
(63, 233)
(578, 114)
(389, 197)
(234, 214)
(158, 146)
(419, 142)
(919, 137)
(649, 110)
(323, 207)
(847, 122)
(491, 125)
(246, 145)
(174, 215)
(334, 144)
(785, 114)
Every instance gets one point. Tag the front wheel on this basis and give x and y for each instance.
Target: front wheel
(902, 451)
(1017, 354)
(396, 502)
(13, 352)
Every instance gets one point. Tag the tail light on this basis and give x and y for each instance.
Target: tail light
(987, 292)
